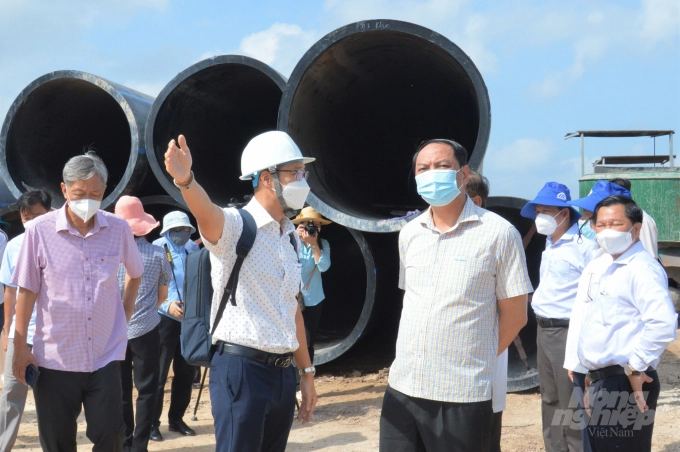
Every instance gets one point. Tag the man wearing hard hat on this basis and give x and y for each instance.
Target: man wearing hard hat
(252, 385)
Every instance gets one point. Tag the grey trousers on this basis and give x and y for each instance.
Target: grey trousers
(556, 390)
(12, 403)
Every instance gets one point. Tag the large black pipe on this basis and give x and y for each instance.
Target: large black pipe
(519, 378)
(10, 214)
(219, 104)
(362, 98)
(57, 116)
(349, 284)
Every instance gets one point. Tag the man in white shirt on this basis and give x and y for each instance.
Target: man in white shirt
(252, 384)
(566, 255)
(649, 234)
(31, 205)
(628, 322)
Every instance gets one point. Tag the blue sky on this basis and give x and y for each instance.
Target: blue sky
(551, 67)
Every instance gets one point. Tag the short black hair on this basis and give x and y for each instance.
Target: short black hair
(633, 211)
(459, 151)
(32, 198)
(621, 182)
(477, 185)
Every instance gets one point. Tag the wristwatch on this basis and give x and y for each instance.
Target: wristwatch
(307, 370)
(630, 371)
(185, 187)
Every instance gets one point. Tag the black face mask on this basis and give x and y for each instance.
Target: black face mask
(179, 238)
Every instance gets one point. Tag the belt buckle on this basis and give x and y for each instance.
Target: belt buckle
(283, 361)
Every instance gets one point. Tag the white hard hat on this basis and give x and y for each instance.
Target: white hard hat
(269, 149)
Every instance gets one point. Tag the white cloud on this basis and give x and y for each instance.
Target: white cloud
(521, 168)
(280, 46)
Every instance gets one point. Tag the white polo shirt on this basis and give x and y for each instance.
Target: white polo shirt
(631, 319)
(562, 263)
(264, 315)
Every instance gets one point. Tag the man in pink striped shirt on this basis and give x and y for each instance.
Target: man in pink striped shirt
(68, 269)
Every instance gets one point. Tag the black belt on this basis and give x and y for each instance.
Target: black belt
(608, 372)
(270, 359)
(552, 323)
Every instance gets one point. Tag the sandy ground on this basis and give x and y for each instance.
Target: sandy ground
(348, 414)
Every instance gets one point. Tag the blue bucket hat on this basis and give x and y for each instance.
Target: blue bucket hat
(601, 190)
(552, 194)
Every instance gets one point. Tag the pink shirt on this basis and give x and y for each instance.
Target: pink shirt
(80, 322)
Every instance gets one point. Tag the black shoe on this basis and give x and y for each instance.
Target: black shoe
(182, 428)
(155, 434)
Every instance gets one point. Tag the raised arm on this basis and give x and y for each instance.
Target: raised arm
(209, 216)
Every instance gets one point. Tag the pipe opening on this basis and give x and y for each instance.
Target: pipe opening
(55, 122)
(363, 103)
(160, 206)
(219, 109)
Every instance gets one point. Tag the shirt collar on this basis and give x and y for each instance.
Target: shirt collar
(62, 223)
(470, 212)
(628, 256)
(262, 217)
(568, 235)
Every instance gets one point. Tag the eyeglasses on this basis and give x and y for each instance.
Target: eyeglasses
(299, 174)
(181, 228)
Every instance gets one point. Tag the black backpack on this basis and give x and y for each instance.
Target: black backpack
(196, 336)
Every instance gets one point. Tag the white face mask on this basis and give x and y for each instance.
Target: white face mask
(615, 242)
(84, 208)
(295, 194)
(29, 223)
(546, 224)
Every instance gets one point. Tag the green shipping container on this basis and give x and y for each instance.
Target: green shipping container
(656, 190)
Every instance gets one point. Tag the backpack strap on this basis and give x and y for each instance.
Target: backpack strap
(243, 246)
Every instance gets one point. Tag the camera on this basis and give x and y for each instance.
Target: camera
(311, 229)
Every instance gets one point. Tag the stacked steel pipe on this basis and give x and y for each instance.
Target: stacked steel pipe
(359, 101)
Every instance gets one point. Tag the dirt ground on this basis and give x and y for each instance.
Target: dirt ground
(348, 414)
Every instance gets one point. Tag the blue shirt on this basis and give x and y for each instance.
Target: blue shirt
(562, 263)
(156, 273)
(314, 294)
(179, 263)
(9, 262)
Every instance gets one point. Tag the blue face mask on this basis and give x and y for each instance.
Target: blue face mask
(179, 238)
(438, 187)
(586, 230)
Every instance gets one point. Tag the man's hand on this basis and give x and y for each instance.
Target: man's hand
(175, 310)
(636, 382)
(570, 374)
(586, 398)
(178, 160)
(22, 358)
(309, 398)
(6, 340)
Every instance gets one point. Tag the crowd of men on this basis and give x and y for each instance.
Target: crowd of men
(98, 307)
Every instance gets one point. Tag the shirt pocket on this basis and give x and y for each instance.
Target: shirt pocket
(107, 269)
(608, 307)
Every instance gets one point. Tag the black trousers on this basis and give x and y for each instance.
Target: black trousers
(496, 431)
(616, 423)
(170, 352)
(59, 396)
(143, 352)
(311, 316)
(410, 424)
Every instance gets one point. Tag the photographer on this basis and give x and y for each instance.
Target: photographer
(315, 258)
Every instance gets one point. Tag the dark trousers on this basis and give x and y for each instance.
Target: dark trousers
(580, 383)
(311, 316)
(253, 404)
(170, 352)
(496, 430)
(143, 352)
(410, 424)
(632, 430)
(59, 396)
(556, 390)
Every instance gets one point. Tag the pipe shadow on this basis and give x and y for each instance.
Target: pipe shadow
(675, 447)
(338, 439)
